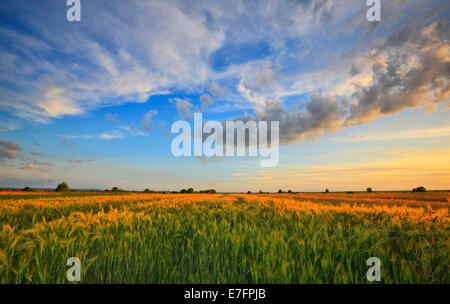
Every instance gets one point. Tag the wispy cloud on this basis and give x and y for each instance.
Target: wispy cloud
(146, 122)
(206, 101)
(8, 125)
(184, 107)
(184, 39)
(115, 134)
(112, 135)
(65, 143)
(113, 118)
(36, 153)
(397, 135)
(34, 164)
(132, 130)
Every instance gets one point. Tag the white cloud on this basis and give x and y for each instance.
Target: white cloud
(115, 134)
(131, 50)
(112, 135)
(163, 47)
(256, 82)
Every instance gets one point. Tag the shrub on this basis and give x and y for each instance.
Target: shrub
(62, 187)
(419, 189)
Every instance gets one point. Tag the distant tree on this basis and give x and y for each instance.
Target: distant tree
(289, 191)
(28, 189)
(419, 189)
(327, 191)
(369, 190)
(115, 189)
(280, 191)
(207, 191)
(260, 191)
(190, 190)
(62, 187)
(147, 191)
(249, 192)
(183, 191)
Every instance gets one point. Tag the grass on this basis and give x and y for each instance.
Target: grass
(214, 238)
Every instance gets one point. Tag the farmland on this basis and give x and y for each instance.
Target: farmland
(224, 238)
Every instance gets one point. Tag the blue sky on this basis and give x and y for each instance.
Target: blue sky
(91, 103)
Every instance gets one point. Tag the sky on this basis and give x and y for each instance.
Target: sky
(360, 104)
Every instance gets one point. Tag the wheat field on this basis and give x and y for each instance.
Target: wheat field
(224, 238)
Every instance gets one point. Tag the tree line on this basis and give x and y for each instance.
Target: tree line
(64, 187)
